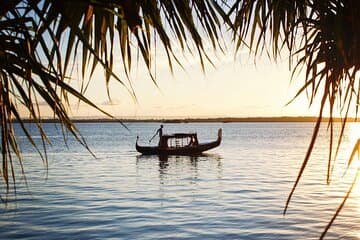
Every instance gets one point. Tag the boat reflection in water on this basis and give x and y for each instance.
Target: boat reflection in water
(175, 165)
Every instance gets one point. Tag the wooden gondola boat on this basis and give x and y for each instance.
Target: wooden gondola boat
(179, 144)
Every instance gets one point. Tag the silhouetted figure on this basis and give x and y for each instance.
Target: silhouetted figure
(160, 132)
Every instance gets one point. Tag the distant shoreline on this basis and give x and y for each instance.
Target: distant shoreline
(199, 120)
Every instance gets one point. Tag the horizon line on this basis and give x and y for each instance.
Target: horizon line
(199, 119)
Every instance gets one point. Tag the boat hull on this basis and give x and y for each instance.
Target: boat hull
(190, 150)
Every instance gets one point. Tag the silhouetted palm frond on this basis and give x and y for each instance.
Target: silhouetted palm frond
(323, 39)
(40, 40)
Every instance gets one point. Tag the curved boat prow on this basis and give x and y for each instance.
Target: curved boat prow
(219, 134)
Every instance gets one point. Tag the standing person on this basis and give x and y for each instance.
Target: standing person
(160, 132)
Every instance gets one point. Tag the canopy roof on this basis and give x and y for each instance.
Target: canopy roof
(180, 135)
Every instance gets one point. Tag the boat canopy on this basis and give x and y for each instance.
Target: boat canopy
(179, 135)
(177, 140)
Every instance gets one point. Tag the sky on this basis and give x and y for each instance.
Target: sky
(235, 87)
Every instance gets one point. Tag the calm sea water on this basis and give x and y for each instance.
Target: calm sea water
(236, 191)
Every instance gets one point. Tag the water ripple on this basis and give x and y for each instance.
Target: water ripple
(236, 192)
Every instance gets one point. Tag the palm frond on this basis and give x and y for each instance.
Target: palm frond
(40, 40)
(322, 38)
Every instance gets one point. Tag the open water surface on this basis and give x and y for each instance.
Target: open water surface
(236, 191)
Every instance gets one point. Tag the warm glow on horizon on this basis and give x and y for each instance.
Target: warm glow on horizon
(234, 88)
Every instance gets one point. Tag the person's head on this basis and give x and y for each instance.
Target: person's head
(161, 126)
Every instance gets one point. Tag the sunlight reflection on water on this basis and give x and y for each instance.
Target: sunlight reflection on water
(237, 191)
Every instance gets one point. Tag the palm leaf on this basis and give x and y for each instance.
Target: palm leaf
(35, 65)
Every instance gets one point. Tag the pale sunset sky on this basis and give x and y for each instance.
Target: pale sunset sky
(235, 87)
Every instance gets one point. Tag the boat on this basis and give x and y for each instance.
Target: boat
(179, 144)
